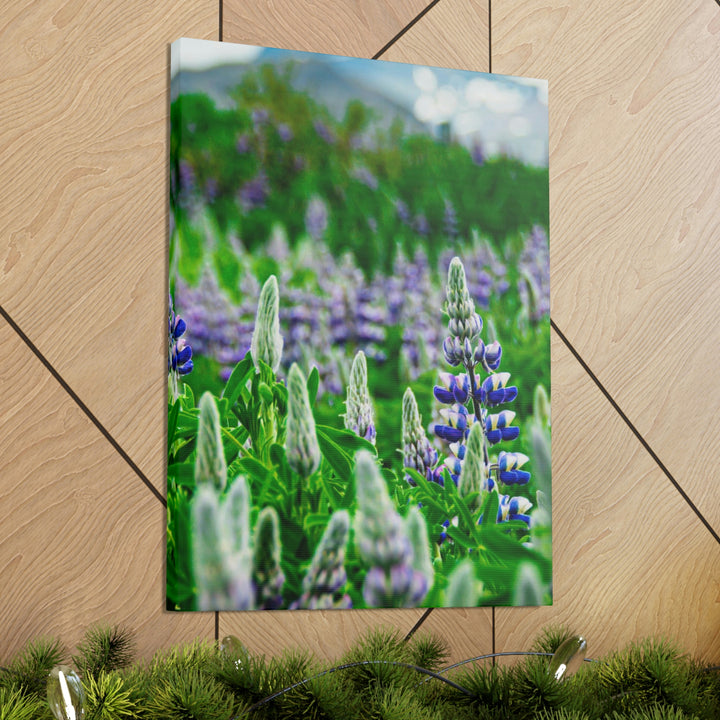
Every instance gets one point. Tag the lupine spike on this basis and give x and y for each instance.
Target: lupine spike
(418, 454)
(267, 575)
(465, 323)
(267, 343)
(541, 406)
(382, 542)
(235, 545)
(325, 580)
(207, 556)
(416, 529)
(235, 519)
(210, 466)
(473, 476)
(463, 589)
(301, 443)
(359, 416)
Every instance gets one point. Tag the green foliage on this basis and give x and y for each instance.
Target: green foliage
(649, 680)
(107, 697)
(189, 693)
(103, 649)
(551, 638)
(29, 669)
(650, 672)
(17, 705)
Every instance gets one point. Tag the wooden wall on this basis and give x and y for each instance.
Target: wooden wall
(635, 243)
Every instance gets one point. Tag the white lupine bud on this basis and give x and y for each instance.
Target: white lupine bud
(267, 343)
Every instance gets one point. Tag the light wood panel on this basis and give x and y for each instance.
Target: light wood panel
(466, 631)
(454, 34)
(327, 634)
(634, 192)
(83, 222)
(630, 558)
(83, 538)
(358, 29)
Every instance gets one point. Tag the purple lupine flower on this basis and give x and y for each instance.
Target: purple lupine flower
(498, 427)
(179, 352)
(477, 154)
(534, 281)
(359, 415)
(254, 193)
(402, 210)
(324, 132)
(260, 117)
(421, 225)
(284, 132)
(495, 391)
(509, 465)
(450, 220)
(316, 217)
(212, 189)
(395, 577)
(418, 453)
(242, 144)
(471, 468)
(513, 508)
(361, 173)
(326, 578)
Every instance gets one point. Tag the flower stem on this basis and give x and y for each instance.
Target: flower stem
(477, 409)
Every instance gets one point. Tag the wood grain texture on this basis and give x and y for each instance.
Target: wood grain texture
(359, 29)
(634, 192)
(83, 222)
(630, 559)
(466, 631)
(327, 634)
(83, 539)
(453, 34)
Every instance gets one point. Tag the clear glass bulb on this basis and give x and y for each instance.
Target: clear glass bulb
(234, 651)
(65, 693)
(568, 657)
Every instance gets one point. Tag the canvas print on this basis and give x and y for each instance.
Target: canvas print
(358, 334)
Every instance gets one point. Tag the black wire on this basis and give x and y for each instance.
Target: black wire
(417, 668)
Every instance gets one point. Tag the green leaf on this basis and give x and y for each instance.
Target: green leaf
(266, 393)
(313, 382)
(254, 468)
(460, 537)
(237, 380)
(429, 495)
(313, 520)
(490, 509)
(340, 461)
(183, 474)
(172, 423)
(346, 439)
(463, 511)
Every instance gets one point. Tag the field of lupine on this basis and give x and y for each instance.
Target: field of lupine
(358, 363)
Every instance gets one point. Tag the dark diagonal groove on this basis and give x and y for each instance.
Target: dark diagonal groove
(217, 626)
(220, 19)
(635, 432)
(388, 45)
(417, 625)
(82, 405)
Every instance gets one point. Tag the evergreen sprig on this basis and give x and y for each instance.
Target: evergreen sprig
(103, 649)
(29, 669)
